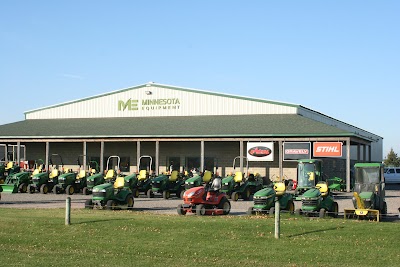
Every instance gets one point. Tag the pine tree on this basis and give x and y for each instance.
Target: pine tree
(392, 159)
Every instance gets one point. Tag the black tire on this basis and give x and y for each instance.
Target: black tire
(70, 190)
(335, 210)
(23, 188)
(250, 211)
(166, 194)
(271, 211)
(383, 211)
(111, 205)
(200, 210)
(290, 206)
(130, 201)
(181, 210)
(55, 189)
(88, 204)
(246, 194)
(135, 193)
(85, 191)
(44, 189)
(234, 196)
(321, 213)
(31, 189)
(225, 205)
(298, 212)
(182, 193)
(150, 193)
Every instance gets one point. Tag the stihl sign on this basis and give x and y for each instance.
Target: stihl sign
(327, 149)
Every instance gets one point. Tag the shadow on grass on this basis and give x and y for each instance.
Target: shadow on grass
(317, 231)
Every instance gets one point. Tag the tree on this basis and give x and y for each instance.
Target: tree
(392, 159)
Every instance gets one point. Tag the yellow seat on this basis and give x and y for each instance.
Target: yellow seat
(323, 188)
(119, 183)
(207, 176)
(81, 174)
(110, 174)
(238, 177)
(36, 171)
(53, 174)
(279, 188)
(174, 176)
(142, 175)
(9, 165)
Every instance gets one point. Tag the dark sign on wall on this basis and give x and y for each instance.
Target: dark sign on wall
(296, 150)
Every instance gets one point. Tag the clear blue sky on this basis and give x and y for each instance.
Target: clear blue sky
(340, 58)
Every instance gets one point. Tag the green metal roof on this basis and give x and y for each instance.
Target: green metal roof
(277, 125)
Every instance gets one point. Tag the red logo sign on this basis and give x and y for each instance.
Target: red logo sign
(259, 151)
(327, 149)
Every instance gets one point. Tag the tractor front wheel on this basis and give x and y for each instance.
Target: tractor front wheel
(55, 189)
(150, 193)
(322, 213)
(182, 193)
(166, 194)
(250, 211)
(44, 189)
(111, 204)
(200, 210)
(70, 190)
(135, 193)
(234, 196)
(335, 209)
(271, 211)
(88, 204)
(31, 189)
(246, 194)
(130, 201)
(85, 191)
(290, 206)
(23, 188)
(181, 210)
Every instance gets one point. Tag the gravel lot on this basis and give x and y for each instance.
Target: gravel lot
(159, 205)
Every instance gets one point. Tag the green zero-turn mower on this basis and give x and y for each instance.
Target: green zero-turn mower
(309, 173)
(166, 184)
(17, 180)
(145, 176)
(44, 181)
(239, 186)
(318, 201)
(369, 192)
(94, 178)
(111, 196)
(264, 200)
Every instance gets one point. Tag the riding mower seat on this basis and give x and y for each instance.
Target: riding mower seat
(110, 175)
(9, 165)
(207, 176)
(279, 188)
(53, 174)
(323, 188)
(119, 183)
(81, 174)
(238, 178)
(142, 175)
(174, 176)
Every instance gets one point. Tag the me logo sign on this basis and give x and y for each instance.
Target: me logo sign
(327, 149)
(128, 105)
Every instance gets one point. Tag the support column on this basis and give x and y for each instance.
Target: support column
(138, 157)
(280, 160)
(157, 157)
(358, 153)
(364, 153)
(18, 152)
(369, 154)
(102, 156)
(84, 155)
(202, 155)
(47, 155)
(348, 165)
(241, 155)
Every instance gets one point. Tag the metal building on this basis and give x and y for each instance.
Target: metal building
(191, 128)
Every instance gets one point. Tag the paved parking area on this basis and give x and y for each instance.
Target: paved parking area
(159, 205)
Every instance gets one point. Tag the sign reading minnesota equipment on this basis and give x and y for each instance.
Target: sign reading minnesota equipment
(149, 104)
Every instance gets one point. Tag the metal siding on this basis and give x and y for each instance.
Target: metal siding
(191, 104)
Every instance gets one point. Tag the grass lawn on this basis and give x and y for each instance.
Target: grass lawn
(38, 237)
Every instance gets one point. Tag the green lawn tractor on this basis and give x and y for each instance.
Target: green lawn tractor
(318, 201)
(17, 182)
(309, 173)
(264, 200)
(145, 176)
(44, 181)
(93, 178)
(198, 180)
(111, 196)
(2, 175)
(166, 184)
(369, 192)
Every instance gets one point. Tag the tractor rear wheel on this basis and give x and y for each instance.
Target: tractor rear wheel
(181, 210)
(150, 193)
(200, 210)
(70, 190)
(31, 189)
(250, 211)
(179, 192)
(55, 189)
(166, 194)
(182, 193)
(335, 209)
(290, 206)
(85, 191)
(44, 189)
(111, 204)
(135, 193)
(23, 188)
(225, 205)
(130, 201)
(271, 211)
(322, 213)
(88, 204)
(246, 194)
(234, 196)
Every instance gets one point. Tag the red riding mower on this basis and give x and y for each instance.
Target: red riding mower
(205, 200)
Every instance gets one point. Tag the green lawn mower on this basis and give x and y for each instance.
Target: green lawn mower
(145, 176)
(264, 200)
(198, 180)
(16, 181)
(167, 184)
(111, 196)
(93, 178)
(44, 181)
(239, 186)
(67, 181)
(318, 201)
